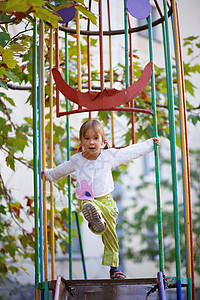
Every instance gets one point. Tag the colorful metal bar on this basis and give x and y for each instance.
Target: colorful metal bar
(101, 46)
(189, 286)
(111, 72)
(34, 100)
(88, 55)
(126, 44)
(40, 163)
(188, 166)
(51, 156)
(157, 174)
(115, 32)
(80, 243)
(185, 166)
(75, 111)
(43, 156)
(68, 157)
(131, 82)
(173, 156)
(78, 49)
(161, 286)
(57, 66)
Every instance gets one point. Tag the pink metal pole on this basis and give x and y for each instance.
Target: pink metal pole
(101, 46)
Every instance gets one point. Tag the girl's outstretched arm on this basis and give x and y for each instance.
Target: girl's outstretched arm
(58, 172)
(156, 140)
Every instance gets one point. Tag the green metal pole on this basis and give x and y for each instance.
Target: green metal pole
(80, 243)
(68, 157)
(173, 155)
(46, 290)
(34, 95)
(126, 44)
(159, 207)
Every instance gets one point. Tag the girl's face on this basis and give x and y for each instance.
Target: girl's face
(91, 144)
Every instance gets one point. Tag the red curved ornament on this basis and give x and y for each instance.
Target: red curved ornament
(108, 99)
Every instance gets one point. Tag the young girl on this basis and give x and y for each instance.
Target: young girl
(95, 183)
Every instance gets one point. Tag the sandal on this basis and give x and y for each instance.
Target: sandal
(116, 274)
(96, 222)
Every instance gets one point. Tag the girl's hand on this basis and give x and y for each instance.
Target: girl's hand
(42, 174)
(157, 140)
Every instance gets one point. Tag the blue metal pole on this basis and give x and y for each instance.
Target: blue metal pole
(68, 157)
(40, 164)
(157, 174)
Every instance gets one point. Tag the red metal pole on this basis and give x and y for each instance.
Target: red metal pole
(88, 56)
(57, 66)
(187, 158)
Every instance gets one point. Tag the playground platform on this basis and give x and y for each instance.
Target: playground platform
(105, 289)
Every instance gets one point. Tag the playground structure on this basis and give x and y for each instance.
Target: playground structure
(96, 101)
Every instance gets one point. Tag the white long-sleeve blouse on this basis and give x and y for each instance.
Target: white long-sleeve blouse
(94, 177)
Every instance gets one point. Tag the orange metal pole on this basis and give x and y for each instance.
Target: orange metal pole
(183, 119)
(51, 156)
(44, 156)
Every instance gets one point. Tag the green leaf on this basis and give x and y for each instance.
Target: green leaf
(37, 2)
(178, 140)
(16, 5)
(2, 209)
(190, 51)
(44, 15)
(11, 248)
(8, 59)
(2, 72)
(194, 119)
(196, 68)
(3, 84)
(2, 124)
(198, 45)
(63, 247)
(191, 38)
(189, 86)
(20, 142)
(17, 47)
(9, 100)
(10, 161)
(3, 269)
(88, 14)
(12, 76)
(4, 36)
(13, 269)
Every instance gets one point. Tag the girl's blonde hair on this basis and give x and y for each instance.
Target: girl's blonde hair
(96, 126)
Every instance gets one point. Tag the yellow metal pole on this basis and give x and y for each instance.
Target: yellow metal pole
(43, 155)
(185, 154)
(182, 120)
(51, 156)
(78, 50)
(185, 161)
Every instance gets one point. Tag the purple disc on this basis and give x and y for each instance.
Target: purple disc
(139, 9)
(67, 14)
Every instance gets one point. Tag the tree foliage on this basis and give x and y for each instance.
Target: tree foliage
(15, 138)
(16, 70)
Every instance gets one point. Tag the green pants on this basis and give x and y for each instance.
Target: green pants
(109, 211)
